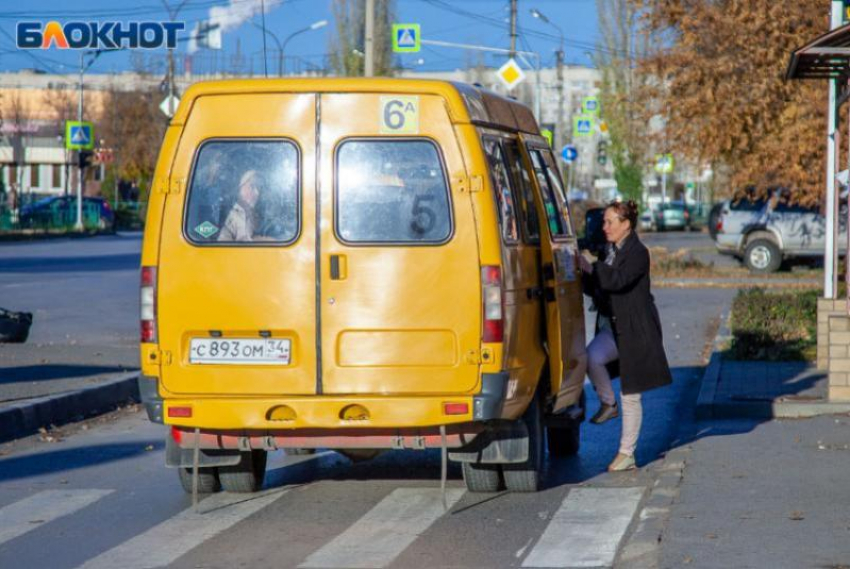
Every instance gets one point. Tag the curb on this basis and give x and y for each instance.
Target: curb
(26, 418)
(781, 408)
(705, 408)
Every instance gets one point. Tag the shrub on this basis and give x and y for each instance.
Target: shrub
(774, 326)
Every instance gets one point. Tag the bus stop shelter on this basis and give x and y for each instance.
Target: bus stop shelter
(827, 57)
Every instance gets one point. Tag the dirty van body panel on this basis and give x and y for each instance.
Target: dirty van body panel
(400, 277)
(562, 293)
(228, 276)
(510, 190)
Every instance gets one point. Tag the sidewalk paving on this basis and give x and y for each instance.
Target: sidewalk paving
(51, 384)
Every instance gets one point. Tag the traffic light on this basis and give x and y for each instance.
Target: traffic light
(85, 158)
(602, 153)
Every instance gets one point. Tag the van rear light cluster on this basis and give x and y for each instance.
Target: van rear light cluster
(148, 305)
(491, 287)
(720, 225)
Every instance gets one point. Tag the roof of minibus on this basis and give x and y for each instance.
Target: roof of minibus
(452, 92)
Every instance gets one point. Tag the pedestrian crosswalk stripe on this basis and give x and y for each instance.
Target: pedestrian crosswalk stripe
(385, 531)
(163, 544)
(33, 512)
(587, 529)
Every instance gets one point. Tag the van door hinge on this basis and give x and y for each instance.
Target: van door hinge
(470, 183)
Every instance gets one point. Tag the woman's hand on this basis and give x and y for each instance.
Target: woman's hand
(584, 264)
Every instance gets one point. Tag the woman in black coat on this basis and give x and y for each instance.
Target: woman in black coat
(628, 328)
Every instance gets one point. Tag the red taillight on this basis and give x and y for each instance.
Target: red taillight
(720, 225)
(148, 305)
(180, 412)
(491, 287)
(455, 408)
(177, 435)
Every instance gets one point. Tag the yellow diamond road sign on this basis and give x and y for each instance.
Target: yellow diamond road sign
(510, 74)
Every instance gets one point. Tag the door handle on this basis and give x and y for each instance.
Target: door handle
(335, 267)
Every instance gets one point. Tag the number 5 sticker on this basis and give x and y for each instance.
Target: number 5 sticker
(399, 115)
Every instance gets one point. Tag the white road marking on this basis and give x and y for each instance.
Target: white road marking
(31, 513)
(587, 529)
(163, 544)
(385, 531)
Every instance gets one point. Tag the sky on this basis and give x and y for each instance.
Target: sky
(479, 22)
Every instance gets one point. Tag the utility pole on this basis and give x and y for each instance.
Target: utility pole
(369, 46)
(79, 225)
(513, 28)
(172, 14)
(559, 124)
(830, 258)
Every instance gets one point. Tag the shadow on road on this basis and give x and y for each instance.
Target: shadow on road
(46, 372)
(63, 460)
(95, 263)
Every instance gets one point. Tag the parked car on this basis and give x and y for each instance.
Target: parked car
(763, 233)
(672, 216)
(61, 211)
(646, 222)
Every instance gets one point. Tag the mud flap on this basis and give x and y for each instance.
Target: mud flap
(176, 457)
(504, 442)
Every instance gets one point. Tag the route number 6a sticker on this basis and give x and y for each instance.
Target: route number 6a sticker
(399, 115)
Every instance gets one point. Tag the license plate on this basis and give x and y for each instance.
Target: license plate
(239, 351)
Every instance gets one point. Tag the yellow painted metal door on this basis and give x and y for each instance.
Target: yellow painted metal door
(400, 306)
(562, 292)
(237, 275)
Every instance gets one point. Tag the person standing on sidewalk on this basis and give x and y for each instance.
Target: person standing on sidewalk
(628, 327)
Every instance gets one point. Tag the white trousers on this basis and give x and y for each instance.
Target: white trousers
(601, 351)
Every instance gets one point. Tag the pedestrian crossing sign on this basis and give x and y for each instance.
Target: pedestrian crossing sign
(583, 125)
(79, 135)
(406, 38)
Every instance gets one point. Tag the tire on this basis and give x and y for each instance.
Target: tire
(208, 481)
(481, 477)
(762, 256)
(525, 476)
(248, 475)
(564, 441)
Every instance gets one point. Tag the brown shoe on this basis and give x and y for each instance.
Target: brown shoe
(622, 462)
(606, 412)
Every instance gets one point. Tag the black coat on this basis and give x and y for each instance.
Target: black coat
(622, 292)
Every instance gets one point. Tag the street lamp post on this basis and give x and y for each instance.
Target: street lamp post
(281, 48)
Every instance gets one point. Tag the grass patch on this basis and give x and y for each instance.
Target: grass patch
(774, 326)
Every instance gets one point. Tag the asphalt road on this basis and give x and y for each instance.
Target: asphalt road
(98, 495)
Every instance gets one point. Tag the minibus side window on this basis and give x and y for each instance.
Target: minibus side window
(554, 214)
(501, 190)
(522, 181)
(391, 191)
(244, 192)
(557, 185)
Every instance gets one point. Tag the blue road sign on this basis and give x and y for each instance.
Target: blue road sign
(569, 153)
(79, 135)
(406, 38)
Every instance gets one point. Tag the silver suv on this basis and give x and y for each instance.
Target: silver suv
(764, 233)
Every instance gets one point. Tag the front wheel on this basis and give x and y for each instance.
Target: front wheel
(762, 256)
(248, 475)
(525, 476)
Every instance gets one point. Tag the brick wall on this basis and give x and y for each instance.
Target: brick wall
(827, 308)
(838, 351)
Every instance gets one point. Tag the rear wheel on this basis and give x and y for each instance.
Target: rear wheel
(481, 477)
(762, 256)
(248, 475)
(207, 480)
(525, 476)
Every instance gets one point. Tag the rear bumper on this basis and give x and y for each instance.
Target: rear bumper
(326, 412)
